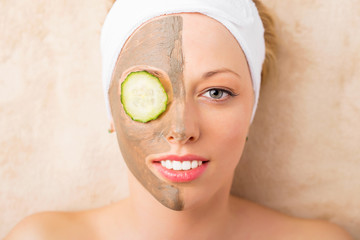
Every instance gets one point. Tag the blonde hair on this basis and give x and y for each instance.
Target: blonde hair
(269, 66)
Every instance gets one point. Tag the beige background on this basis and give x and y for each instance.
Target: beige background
(303, 154)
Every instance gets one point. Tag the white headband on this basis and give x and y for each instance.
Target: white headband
(240, 17)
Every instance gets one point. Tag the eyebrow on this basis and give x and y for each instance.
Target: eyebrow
(217, 71)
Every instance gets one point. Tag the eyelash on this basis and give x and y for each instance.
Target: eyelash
(226, 91)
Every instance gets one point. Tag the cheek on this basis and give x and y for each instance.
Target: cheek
(145, 139)
(226, 131)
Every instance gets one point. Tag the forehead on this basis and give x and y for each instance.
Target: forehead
(154, 43)
(174, 42)
(208, 45)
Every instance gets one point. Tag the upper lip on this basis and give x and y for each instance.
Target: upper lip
(187, 157)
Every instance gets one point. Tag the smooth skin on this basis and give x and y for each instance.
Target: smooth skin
(215, 128)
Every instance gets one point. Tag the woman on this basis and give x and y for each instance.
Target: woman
(182, 80)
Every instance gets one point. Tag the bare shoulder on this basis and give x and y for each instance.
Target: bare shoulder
(94, 224)
(317, 229)
(266, 222)
(50, 225)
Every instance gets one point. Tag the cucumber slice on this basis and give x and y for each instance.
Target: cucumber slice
(143, 96)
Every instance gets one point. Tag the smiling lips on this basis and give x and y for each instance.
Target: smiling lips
(180, 168)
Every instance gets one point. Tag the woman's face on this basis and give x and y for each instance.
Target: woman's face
(207, 79)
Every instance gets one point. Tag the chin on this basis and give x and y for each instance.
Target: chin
(205, 193)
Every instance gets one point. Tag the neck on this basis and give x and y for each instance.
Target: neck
(155, 221)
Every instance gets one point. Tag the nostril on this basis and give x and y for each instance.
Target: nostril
(173, 139)
(183, 137)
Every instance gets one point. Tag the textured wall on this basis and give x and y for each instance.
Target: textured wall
(303, 153)
(302, 156)
(55, 152)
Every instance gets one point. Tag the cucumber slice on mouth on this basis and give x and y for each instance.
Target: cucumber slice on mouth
(143, 96)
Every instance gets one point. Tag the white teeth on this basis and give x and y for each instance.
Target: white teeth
(178, 165)
(186, 165)
(168, 164)
(194, 164)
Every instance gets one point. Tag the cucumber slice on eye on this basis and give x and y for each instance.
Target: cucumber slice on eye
(143, 96)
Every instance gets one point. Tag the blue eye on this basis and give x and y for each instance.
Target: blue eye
(217, 93)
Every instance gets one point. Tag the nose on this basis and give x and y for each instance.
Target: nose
(184, 126)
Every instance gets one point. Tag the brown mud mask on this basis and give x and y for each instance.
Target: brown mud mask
(157, 44)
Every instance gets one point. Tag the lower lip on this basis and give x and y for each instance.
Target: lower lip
(181, 175)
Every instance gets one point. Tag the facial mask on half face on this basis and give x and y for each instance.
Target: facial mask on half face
(156, 44)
